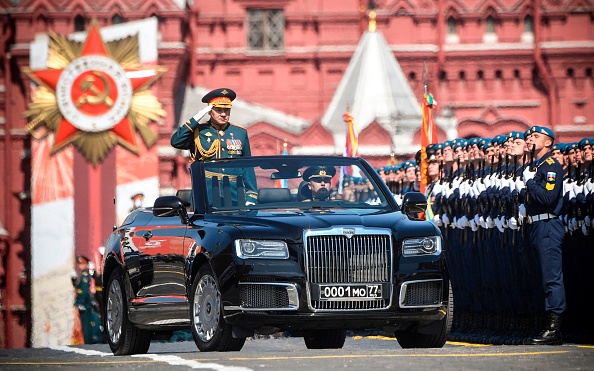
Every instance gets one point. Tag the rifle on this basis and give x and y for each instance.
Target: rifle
(532, 154)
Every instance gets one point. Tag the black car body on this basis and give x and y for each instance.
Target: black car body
(313, 267)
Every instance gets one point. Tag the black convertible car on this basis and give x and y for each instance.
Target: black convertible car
(308, 245)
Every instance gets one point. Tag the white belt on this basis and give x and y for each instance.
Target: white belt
(544, 216)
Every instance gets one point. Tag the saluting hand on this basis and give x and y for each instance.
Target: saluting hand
(202, 112)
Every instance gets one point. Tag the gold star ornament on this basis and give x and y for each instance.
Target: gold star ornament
(94, 95)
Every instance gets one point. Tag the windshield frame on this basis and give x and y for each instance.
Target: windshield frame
(290, 167)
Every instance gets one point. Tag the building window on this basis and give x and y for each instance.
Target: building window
(490, 36)
(462, 75)
(528, 33)
(79, 23)
(480, 75)
(266, 28)
(498, 74)
(517, 74)
(452, 36)
(117, 19)
(589, 72)
(569, 72)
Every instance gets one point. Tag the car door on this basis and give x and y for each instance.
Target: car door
(156, 263)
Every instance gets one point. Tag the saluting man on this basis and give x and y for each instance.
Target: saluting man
(216, 138)
(544, 187)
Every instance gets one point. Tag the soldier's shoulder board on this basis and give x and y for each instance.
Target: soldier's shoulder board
(550, 161)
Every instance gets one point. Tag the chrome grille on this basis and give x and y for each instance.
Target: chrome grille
(417, 294)
(334, 258)
(263, 296)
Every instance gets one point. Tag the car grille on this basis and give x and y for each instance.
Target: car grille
(337, 259)
(417, 294)
(270, 296)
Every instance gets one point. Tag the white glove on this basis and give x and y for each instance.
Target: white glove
(573, 225)
(480, 186)
(463, 222)
(476, 219)
(522, 210)
(519, 184)
(585, 230)
(490, 223)
(249, 203)
(473, 225)
(482, 222)
(589, 185)
(202, 112)
(528, 174)
(587, 221)
(513, 223)
(498, 224)
(488, 181)
(455, 222)
(445, 219)
(436, 189)
(437, 221)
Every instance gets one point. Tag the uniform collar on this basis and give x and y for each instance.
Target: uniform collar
(218, 127)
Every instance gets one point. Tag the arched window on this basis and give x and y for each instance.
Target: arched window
(528, 32)
(490, 25)
(117, 19)
(79, 23)
(589, 72)
(462, 75)
(452, 36)
(452, 26)
(480, 75)
(498, 74)
(570, 72)
(490, 36)
(412, 75)
(528, 23)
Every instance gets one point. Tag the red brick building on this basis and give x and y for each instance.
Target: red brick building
(494, 65)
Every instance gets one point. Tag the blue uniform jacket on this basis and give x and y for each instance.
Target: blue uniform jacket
(545, 190)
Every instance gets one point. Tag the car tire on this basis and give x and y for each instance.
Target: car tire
(325, 339)
(123, 337)
(210, 331)
(414, 339)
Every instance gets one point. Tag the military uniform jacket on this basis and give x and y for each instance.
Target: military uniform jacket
(206, 142)
(545, 190)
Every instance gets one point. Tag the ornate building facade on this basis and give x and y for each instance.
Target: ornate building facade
(494, 66)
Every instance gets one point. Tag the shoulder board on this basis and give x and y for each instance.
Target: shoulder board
(550, 161)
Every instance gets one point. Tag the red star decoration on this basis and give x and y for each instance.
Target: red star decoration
(67, 132)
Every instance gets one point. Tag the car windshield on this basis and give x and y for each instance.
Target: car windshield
(290, 183)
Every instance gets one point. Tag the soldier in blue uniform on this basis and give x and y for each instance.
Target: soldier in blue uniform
(544, 186)
(217, 138)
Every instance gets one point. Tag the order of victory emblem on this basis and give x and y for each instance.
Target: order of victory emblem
(94, 95)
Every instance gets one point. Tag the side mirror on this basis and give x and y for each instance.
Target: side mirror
(170, 206)
(413, 204)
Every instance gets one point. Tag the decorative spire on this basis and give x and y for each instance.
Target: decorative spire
(372, 25)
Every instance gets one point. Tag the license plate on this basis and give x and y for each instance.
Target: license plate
(337, 292)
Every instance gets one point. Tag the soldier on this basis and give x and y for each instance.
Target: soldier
(544, 185)
(319, 179)
(90, 322)
(217, 138)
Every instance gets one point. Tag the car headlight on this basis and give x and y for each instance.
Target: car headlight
(422, 246)
(261, 249)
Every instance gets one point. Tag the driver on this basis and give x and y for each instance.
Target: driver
(319, 179)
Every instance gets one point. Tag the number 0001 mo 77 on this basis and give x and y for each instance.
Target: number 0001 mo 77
(350, 291)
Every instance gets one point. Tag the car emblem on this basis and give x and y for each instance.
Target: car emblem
(348, 232)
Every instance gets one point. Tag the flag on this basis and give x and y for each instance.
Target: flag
(428, 135)
(283, 183)
(351, 148)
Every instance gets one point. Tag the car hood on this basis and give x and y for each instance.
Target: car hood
(290, 225)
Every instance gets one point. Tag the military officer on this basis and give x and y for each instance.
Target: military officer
(217, 138)
(319, 183)
(544, 186)
(89, 319)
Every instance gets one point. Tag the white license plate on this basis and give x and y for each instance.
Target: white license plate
(330, 292)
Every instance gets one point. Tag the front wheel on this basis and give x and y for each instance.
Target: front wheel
(436, 339)
(325, 339)
(210, 331)
(123, 337)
